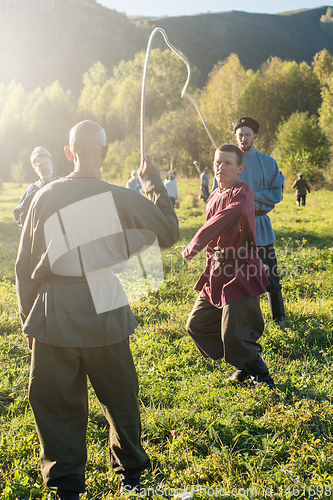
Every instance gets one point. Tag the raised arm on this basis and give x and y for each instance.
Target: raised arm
(164, 224)
(226, 221)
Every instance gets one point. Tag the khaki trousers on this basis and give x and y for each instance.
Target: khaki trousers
(59, 399)
(230, 333)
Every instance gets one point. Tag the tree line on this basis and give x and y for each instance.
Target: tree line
(292, 102)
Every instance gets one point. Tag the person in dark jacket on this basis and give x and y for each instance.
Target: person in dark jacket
(301, 186)
(80, 238)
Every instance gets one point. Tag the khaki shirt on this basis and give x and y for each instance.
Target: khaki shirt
(69, 233)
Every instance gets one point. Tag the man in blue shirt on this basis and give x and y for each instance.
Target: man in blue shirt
(204, 184)
(262, 174)
(41, 161)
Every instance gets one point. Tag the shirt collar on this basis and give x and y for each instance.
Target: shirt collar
(250, 153)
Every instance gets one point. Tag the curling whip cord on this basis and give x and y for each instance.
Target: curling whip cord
(184, 94)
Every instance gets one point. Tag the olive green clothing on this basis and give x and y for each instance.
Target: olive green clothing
(230, 332)
(63, 242)
(59, 399)
(63, 314)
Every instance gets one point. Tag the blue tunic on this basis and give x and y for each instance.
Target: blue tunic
(262, 174)
(21, 211)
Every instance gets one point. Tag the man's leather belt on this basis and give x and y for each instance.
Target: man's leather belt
(56, 278)
(259, 213)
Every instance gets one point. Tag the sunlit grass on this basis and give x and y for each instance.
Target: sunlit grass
(200, 431)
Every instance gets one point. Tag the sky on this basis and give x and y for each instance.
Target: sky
(158, 8)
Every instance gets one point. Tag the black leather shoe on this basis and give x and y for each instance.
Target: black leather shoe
(239, 376)
(259, 372)
(67, 495)
(130, 483)
(264, 379)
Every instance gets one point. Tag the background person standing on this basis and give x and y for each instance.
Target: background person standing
(262, 174)
(301, 186)
(41, 161)
(283, 179)
(134, 182)
(204, 184)
(171, 187)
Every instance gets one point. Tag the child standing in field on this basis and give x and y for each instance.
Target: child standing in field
(226, 320)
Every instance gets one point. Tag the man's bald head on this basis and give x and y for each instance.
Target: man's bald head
(87, 146)
(87, 134)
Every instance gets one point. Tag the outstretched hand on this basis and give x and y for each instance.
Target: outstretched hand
(146, 168)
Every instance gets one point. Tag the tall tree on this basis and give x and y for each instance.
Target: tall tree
(326, 109)
(93, 81)
(116, 101)
(277, 90)
(48, 117)
(301, 145)
(323, 66)
(173, 139)
(12, 130)
(220, 99)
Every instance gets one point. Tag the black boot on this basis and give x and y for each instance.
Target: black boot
(67, 495)
(275, 301)
(130, 483)
(239, 376)
(259, 372)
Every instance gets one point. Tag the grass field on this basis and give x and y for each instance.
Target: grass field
(202, 433)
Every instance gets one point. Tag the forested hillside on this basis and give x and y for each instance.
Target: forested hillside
(71, 60)
(292, 102)
(209, 38)
(46, 40)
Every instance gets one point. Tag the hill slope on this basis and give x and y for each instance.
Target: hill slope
(39, 47)
(209, 38)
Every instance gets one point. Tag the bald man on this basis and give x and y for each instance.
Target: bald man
(81, 238)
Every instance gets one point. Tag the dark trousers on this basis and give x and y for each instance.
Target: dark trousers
(205, 191)
(230, 333)
(301, 198)
(173, 201)
(267, 255)
(59, 399)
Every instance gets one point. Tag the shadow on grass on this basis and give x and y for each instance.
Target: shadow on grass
(313, 335)
(294, 393)
(312, 238)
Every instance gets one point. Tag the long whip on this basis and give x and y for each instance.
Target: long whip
(184, 94)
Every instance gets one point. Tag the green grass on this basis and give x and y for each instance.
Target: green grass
(198, 429)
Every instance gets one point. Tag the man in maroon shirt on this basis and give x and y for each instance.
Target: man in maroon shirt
(226, 320)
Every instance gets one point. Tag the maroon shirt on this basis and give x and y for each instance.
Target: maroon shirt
(230, 229)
